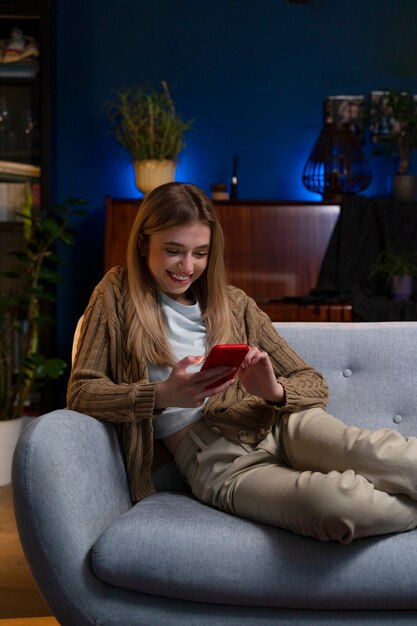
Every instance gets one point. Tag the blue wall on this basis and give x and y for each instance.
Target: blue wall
(253, 75)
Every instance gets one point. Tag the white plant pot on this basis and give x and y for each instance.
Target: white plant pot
(150, 174)
(9, 434)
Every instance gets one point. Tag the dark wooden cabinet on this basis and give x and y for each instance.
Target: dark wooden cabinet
(273, 251)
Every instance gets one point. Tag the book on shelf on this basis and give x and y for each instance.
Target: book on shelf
(12, 199)
(20, 69)
(17, 198)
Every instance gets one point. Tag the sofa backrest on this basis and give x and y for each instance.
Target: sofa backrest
(371, 369)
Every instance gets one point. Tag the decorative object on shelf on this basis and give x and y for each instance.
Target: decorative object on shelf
(404, 187)
(219, 191)
(147, 125)
(348, 110)
(336, 165)
(397, 270)
(14, 48)
(23, 368)
(234, 183)
(393, 126)
(18, 55)
(402, 287)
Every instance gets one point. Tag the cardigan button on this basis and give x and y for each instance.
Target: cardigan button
(397, 419)
(347, 373)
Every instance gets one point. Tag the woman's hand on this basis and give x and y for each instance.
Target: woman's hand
(257, 376)
(182, 389)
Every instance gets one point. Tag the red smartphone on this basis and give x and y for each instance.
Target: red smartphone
(230, 354)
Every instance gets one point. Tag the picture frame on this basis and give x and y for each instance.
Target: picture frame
(348, 110)
(387, 127)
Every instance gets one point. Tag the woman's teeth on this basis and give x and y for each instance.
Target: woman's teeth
(180, 277)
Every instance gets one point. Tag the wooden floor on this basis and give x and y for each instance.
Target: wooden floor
(29, 621)
(19, 596)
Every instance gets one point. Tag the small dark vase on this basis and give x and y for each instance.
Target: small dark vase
(402, 287)
(404, 187)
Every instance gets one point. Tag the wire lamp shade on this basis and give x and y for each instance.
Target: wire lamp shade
(336, 165)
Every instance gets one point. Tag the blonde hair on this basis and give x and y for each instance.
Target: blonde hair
(169, 206)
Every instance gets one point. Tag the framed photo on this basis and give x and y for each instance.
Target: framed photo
(346, 110)
(383, 125)
(384, 105)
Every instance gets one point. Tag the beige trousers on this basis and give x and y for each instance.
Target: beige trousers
(312, 475)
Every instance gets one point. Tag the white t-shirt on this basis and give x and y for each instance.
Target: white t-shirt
(186, 332)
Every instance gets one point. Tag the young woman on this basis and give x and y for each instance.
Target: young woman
(260, 446)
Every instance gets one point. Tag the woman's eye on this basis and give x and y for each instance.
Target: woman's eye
(200, 255)
(173, 252)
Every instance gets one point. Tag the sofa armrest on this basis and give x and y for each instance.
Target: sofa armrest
(69, 483)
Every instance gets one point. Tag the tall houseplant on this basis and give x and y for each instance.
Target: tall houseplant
(393, 124)
(147, 125)
(32, 276)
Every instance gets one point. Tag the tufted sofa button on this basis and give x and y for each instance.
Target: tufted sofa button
(214, 429)
(397, 419)
(347, 373)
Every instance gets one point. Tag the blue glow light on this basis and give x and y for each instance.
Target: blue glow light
(295, 180)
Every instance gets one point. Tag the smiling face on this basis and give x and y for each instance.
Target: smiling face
(177, 257)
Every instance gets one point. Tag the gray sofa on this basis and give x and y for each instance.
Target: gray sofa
(170, 560)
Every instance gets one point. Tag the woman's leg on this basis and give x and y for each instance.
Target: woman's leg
(253, 482)
(333, 506)
(314, 440)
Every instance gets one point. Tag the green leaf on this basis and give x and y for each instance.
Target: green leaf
(47, 368)
(67, 238)
(49, 275)
(43, 320)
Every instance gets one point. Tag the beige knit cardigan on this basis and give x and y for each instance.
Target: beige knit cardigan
(109, 383)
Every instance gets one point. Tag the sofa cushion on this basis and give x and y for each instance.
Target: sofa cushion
(173, 546)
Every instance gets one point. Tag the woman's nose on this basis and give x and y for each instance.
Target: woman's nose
(186, 263)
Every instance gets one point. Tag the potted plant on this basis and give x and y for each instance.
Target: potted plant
(31, 280)
(397, 270)
(147, 125)
(393, 124)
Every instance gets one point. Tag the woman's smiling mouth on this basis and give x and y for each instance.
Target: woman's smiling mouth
(179, 278)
